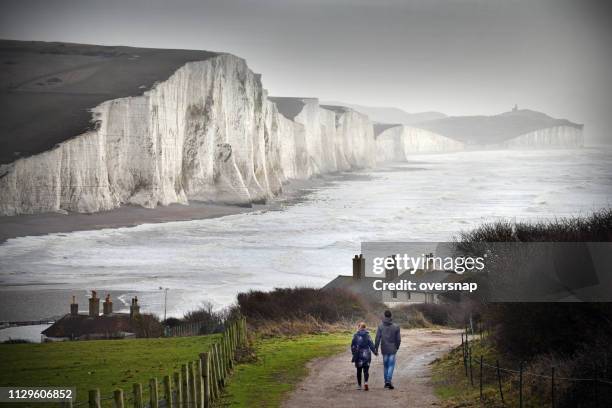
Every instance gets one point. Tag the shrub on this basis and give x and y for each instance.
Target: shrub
(297, 303)
(147, 325)
(442, 314)
(577, 337)
(211, 321)
(594, 228)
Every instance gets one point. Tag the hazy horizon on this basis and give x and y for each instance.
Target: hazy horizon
(464, 57)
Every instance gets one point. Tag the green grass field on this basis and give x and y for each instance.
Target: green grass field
(111, 364)
(104, 364)
(281, 364)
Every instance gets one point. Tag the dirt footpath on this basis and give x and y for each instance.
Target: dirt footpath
(332, 380)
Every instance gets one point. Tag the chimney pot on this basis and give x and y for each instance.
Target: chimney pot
(94, 304)
(358, 267)
(107, 306)
(392, 273)
(74, 307)
(134, 308)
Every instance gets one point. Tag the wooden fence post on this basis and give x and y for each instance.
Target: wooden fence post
(199, 383)
(552, 386)
(241, 335)
(185, 375)
(233, 335)
(205, 373)
(168, 391)
(94, 398)
(118, 398)
(499, 382)
(178, 386)
(463, 352)
(218, 365)
(153, 394)
(244, 323)
(214, 379)
(192, 385)
(225, 354)
(224, 366)
(481, 377)
(521, 385)
(228, 347)
(137, 389)
(470, 363)
(222, 359)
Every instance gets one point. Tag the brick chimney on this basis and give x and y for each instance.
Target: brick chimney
(94, 304)
(134, 307)
(74, 307)
(392, 273)
(358, 267)
(107, 306)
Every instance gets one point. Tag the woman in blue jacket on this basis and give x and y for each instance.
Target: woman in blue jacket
(362, 348)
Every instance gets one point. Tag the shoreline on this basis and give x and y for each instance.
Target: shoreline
(19, 226)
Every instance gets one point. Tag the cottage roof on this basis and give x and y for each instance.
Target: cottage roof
(84, 325)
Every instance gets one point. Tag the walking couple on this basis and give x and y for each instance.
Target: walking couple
(387, 338)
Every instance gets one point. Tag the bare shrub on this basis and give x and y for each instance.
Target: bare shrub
(147, 325)
(300, 303)
(210, 321)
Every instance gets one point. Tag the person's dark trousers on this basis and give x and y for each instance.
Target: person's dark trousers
(366, 374)
(389, 365)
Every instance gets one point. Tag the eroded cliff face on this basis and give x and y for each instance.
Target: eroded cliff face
(207, 133)
(553, 137)
(397, 143)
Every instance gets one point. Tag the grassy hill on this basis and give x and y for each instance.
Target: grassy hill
(104, 364)
(47, 88)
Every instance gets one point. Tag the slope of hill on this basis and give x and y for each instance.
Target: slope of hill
(47, 89)
(490, 130)
(390, 114)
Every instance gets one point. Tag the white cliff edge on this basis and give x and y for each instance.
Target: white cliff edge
(397, 143)
(552, 137)
(207, 133)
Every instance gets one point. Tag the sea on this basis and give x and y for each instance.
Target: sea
(176, 267)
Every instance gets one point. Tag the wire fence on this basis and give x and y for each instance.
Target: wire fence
(601, 387)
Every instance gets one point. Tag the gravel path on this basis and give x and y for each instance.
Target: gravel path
(332, 382)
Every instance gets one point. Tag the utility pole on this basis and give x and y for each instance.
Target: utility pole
(165, 300)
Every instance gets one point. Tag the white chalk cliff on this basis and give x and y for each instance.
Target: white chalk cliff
(398, 142)
(556, 136)
(207, 133)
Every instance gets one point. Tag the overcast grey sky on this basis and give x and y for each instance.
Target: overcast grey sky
(460, 57)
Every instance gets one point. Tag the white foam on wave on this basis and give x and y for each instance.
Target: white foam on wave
(310, 243)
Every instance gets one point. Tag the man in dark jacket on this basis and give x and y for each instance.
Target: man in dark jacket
(389, 339)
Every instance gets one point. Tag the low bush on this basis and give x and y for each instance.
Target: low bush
(147, 325)
(327, 306)
(210, 321)
(443, 314)
(594, 228)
